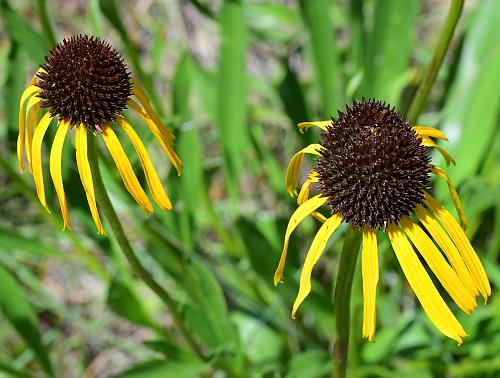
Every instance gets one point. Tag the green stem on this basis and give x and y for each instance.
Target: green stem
(47, 27)
(342, 301)
(109, 212)
(439, 53)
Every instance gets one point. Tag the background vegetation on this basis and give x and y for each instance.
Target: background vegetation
(232, 79)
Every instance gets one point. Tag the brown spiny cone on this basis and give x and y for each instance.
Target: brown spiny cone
(85, 81)
(373, 168)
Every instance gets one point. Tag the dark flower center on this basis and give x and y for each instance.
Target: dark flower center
(373, 168)
(85, 81)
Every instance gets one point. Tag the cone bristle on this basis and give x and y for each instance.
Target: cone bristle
(373, 168)
(85, 81)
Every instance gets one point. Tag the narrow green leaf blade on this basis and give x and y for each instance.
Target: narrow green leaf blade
(232, 91)
(22, 317)
(123, 301)
(166, 369)
(23, 33)
(388, 52)
(325, 55)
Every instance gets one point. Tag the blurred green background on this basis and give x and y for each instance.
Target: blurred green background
(232, 79)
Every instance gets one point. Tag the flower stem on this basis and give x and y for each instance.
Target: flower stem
(442, 46)
(342, 301)
(109, 212)
(45, 22)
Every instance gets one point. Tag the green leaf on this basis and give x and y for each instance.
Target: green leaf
(166, 369)
(11, 241)
(94, 17)
(171, 350)
(292, 96)
(389, 46)
(262, 344)
(109, 9)
(12, 371)
(13, 88)
(123, 301)
(232, 91)
(310, 364)
(208, 315)
(471, 110)
(205, 88)
(23, 33)
(273, 22)
(19, 313)
(189, 148)
(324, 48)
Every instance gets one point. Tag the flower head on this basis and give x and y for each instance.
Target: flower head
(84, 84)
(372, 171)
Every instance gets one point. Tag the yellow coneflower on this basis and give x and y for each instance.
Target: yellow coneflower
(85, 84)
(373, 172)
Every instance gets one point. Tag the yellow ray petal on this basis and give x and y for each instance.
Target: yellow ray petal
(293, 170)
(315, 251)
(55, 169)
(162, 135)
(34, 79)
(125, 168)
(298, 216)
(304, 194)
(432, 303)
(82, 162)
(454, 195)
(445, 274)
(430, 132)
(449, 249)
(152, 178)
(139, 93)
(36, 157)
(30, 91)
(428, 142)
(321, 124)
(463, 244)
(31, 122)
(369, 266)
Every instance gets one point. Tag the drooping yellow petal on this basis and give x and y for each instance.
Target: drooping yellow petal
(152, 178)
(55, 169)
(35, 116)
(321, 124)
(139, 93)
(454, 195)
(298, 216)
(463, 244)
(125, 168)
(31, 122)
(443, 240)
(36, 157)
(162, 135)
(34, 79)
(430, 132)
(82, 162)
(30, 91)
(304, 194)
(369, 267)
(432, 303)
(445, 274)
(293, 170)
(315, 251)
(428, 142)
